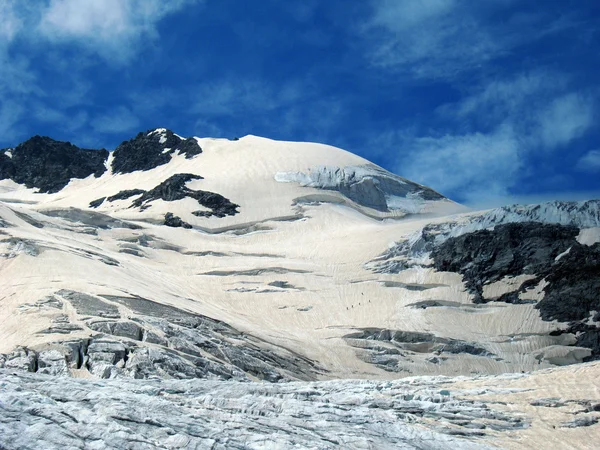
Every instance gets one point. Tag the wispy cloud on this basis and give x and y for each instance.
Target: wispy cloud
(513, 124)
(499, 98)
(62, 41)
(442, 38)
(540, 106)
(589, 162)
(11, 23)
(565, 119)
(474, 164)
(112, 29)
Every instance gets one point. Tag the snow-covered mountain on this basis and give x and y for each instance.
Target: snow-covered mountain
(250, 260)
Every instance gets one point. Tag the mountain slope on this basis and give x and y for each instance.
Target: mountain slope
(255, 260)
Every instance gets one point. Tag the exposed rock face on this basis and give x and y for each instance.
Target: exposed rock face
(415, 250)
(513, 249)
(172, 189)
(368, 186)
(548, 252)
(175, 221)
(38, 411)
(151, 149)
(536, 241)
(49, 165)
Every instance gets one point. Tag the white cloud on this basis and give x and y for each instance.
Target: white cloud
(11, 23)
(565, 119)
(111, 28)
(428, 38)
(476, 165)
(519, 120)
(500, 98)
(442, 38)
(589, 162)
(118, 120)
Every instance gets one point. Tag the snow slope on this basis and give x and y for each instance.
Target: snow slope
(263, 260)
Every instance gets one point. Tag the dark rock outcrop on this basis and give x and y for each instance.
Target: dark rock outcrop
(124, 195)
(121, 195)
(487, 256)
(49, 165)
(151, 149)
(412, 251)
(543, 251)
(174, 188)
(97, 202)
(175, 221)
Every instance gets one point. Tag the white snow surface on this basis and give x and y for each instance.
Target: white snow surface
(290, 271)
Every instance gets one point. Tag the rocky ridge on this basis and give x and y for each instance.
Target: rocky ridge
(151, 149)
(49, 165)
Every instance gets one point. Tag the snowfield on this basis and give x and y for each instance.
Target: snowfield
(207, 293)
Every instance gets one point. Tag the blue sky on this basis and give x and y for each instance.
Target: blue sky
(487, 101)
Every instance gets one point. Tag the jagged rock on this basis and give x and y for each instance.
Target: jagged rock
(129, 330)
(121, 195)
(184, 345)
(49, 165)
(86, 304)
(175, 221)
(513, 249)
(62, 328)
(151, 149)
(547, 252)
(124, 195)
(96, 203)
(174, 188)
(104, 355)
